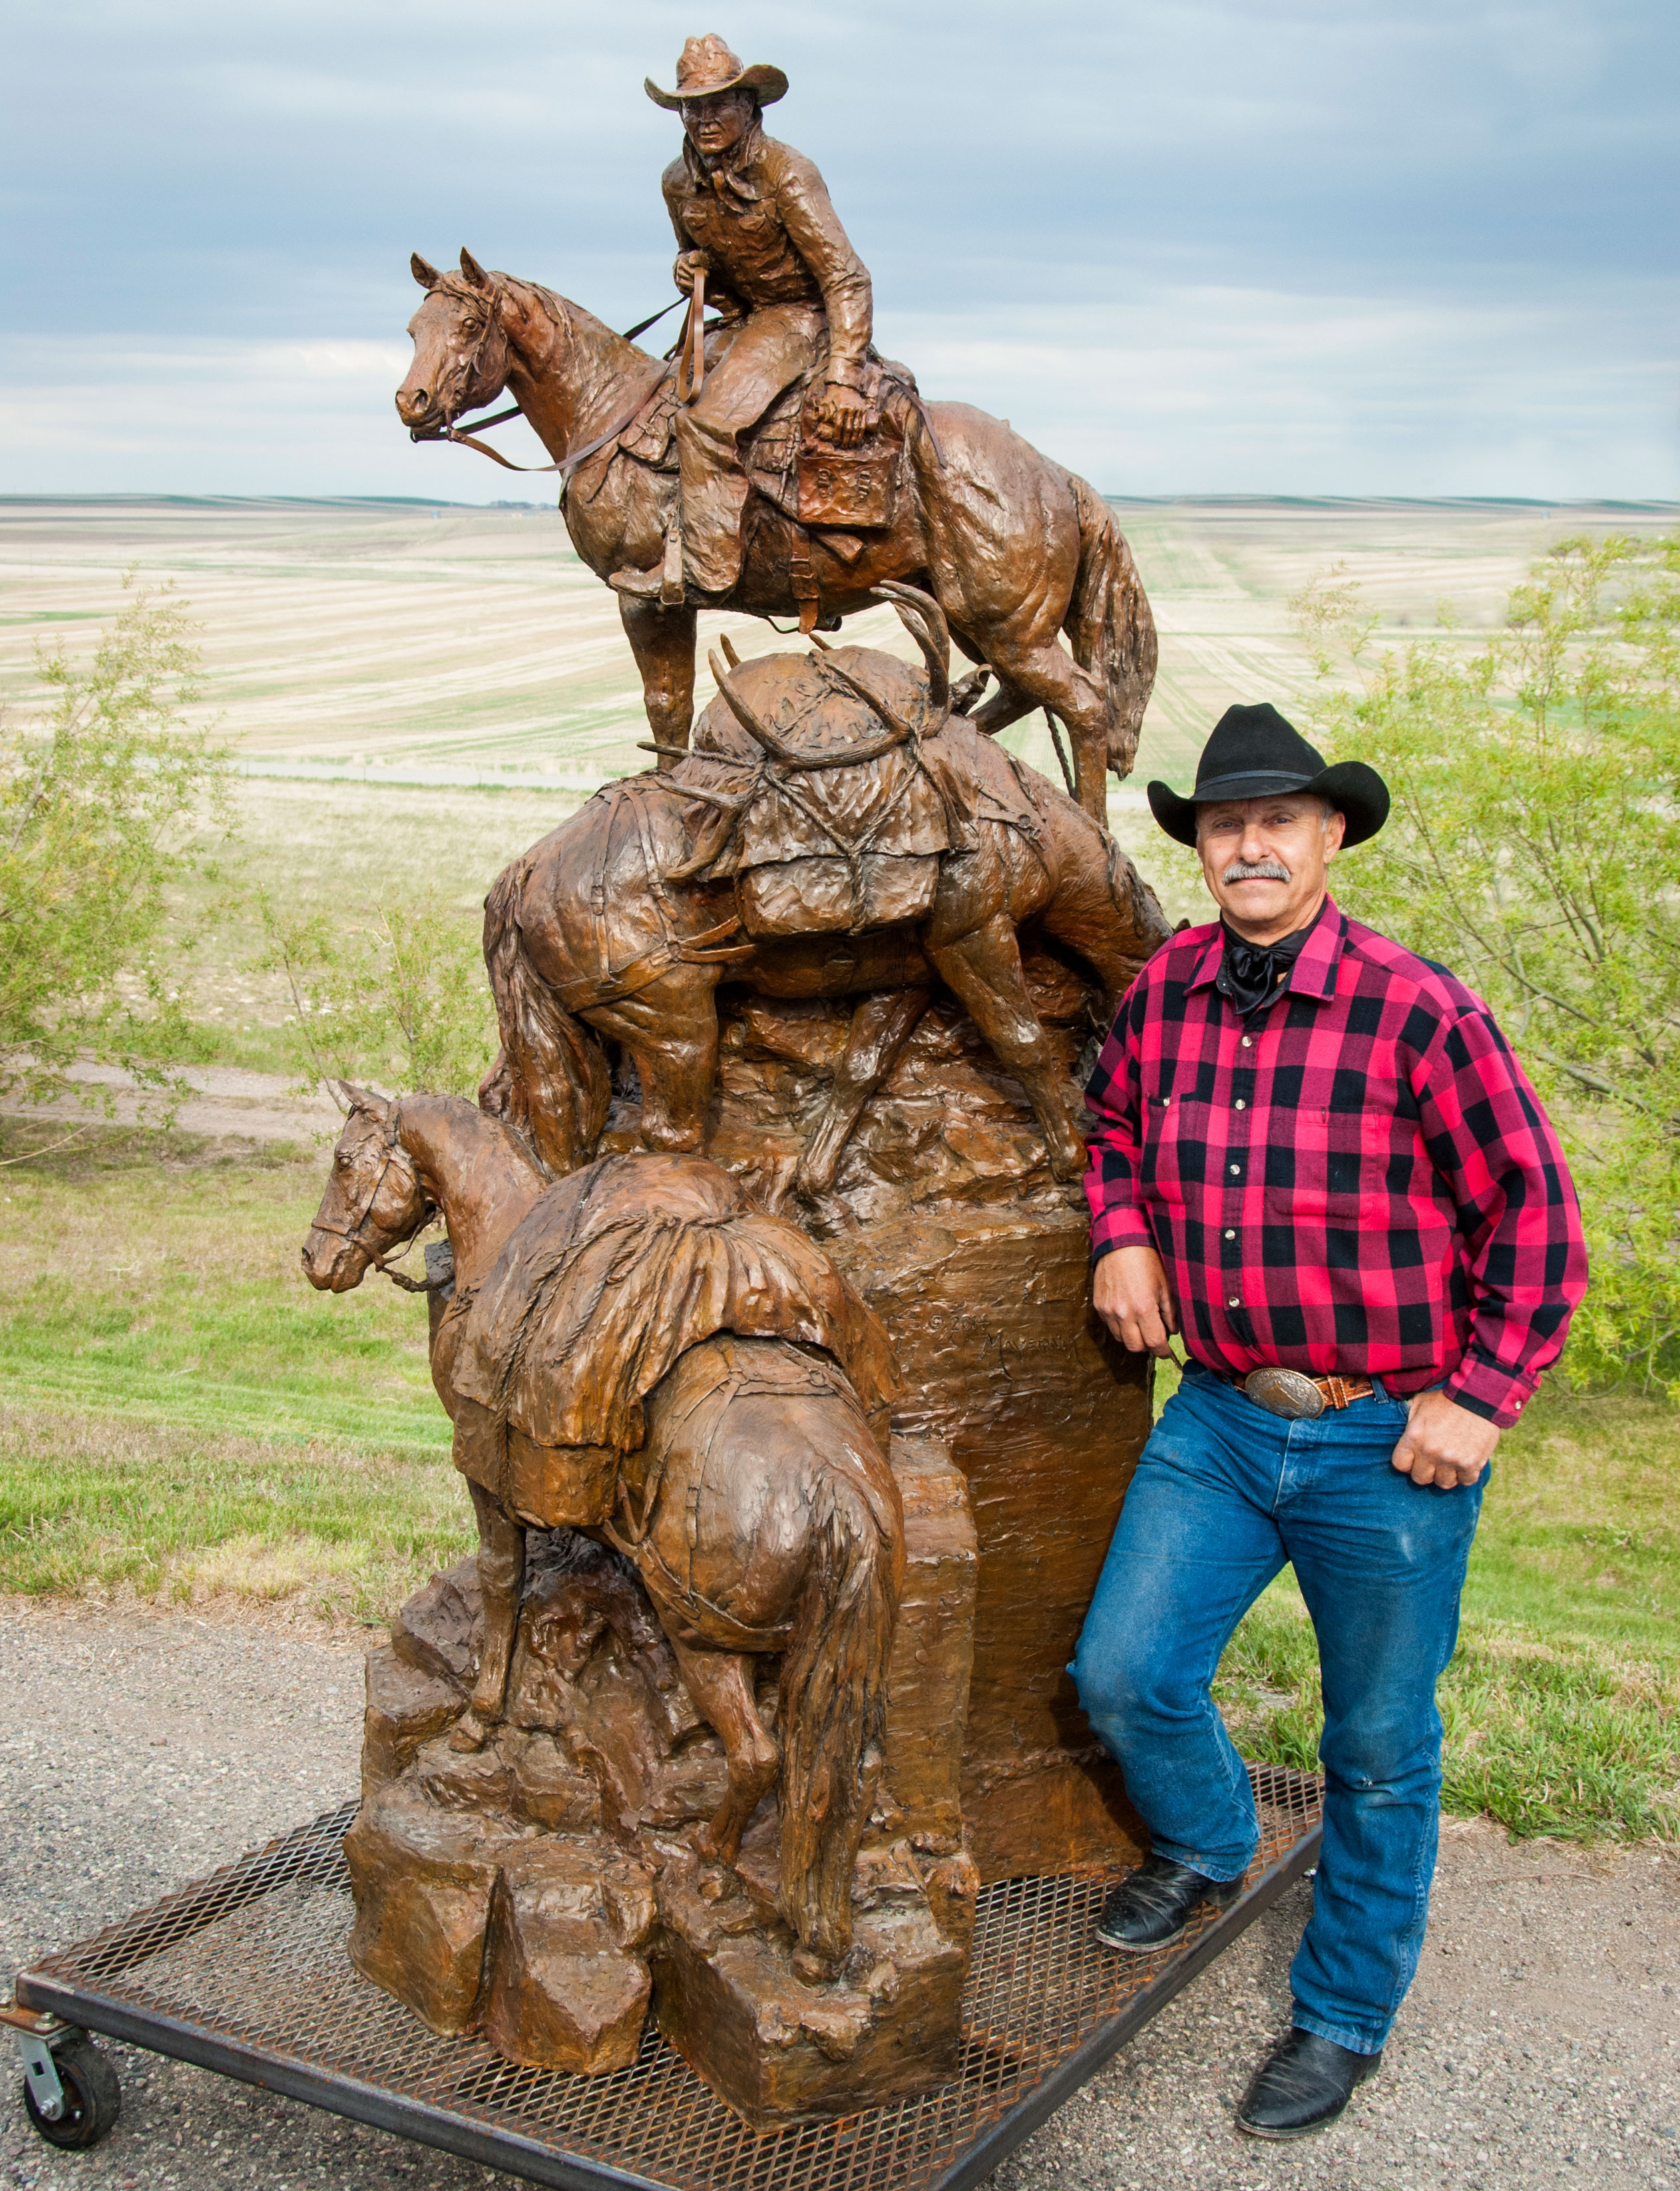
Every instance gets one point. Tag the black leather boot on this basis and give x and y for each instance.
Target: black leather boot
(1152, 1907)
(1304, 2083)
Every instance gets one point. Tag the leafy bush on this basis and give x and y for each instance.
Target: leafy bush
(397, 995)
(98, 798)
(1534, 848)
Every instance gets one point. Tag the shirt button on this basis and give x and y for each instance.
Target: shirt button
(1234, 1302)
(1248, 1042)
(1230, 1236)
(1241, 1105)
(1236, 1171)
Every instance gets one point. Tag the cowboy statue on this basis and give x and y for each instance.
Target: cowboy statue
(758, 235)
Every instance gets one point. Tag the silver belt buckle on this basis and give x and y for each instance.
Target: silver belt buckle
(1284, 1392)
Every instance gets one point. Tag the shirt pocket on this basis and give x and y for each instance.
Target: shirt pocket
(1323, 1175)
(1176, 1157)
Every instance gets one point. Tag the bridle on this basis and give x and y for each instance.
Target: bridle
(489, 302)
(405, 1240)
(486, 302)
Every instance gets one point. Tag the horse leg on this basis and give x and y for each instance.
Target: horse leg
(670, 1030)
(501, 1575)
(721, 1685)
(1036, 671)
(984, 969)
(662, 642)
(880, 1027)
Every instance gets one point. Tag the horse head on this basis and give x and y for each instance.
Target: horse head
(374, 1201)
(461, 346)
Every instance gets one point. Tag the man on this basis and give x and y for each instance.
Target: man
(1316, 1159)
(754, 218)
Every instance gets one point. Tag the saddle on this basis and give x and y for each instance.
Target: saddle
(840, 492)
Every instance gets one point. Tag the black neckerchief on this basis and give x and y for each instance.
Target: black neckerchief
(1250, 974)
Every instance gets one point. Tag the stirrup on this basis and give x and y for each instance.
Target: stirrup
(664, 581)
(640, 585)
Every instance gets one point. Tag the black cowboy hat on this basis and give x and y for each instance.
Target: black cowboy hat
(708, 67)
(1254, 754)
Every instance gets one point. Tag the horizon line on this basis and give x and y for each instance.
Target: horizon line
(1132, 501)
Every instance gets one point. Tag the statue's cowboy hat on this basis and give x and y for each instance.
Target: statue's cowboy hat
(1255, 753)
(708, 67)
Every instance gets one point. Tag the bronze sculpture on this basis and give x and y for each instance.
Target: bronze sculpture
(727, 1555)
(755, 231)
(777, 465)
(836, 831)
(635, 1357)
(764, 1327)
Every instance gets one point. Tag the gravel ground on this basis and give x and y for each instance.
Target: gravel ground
(1540, 2045)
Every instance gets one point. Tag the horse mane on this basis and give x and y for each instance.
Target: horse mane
(564, 312)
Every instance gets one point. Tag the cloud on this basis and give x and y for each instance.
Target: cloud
(1199, 243)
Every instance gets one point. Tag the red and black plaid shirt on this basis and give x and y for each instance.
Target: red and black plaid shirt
(1358, 1178)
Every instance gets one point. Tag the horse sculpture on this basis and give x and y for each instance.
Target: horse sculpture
(637, 1352)
(783, 853)
(1018, 550)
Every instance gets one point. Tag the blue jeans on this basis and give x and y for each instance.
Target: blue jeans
(1225, 1496)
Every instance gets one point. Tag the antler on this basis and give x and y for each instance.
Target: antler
(922, 616)
(758, 732)
(902, 732)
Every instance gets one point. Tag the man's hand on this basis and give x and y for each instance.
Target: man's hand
(1130, 1292)
(688, 265)
(841, 417)
(1444, 1444)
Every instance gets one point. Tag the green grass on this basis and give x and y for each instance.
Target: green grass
(1562, 1702)
(183, 1415)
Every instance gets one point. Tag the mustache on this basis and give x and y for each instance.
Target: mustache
(1243, 871)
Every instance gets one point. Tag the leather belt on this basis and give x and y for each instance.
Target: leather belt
(1298, 1398)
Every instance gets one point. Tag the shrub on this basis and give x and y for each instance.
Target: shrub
(395, 994)
(1534, 848)
(99, 796)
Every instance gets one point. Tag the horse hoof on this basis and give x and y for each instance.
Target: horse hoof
(715, 1847)
(468, 1732)
(812, 1969)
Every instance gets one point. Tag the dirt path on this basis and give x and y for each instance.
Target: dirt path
(252, 1106)
(1540, 2045)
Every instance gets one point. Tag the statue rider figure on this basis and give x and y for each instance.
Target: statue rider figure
(753, 216)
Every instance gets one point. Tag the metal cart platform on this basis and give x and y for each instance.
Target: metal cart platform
(245, 1972)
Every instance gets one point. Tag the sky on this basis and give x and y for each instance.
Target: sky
(1200, 247)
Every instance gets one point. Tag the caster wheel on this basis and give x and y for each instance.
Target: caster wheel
(92, 2099)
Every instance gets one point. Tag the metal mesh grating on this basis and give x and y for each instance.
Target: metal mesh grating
(253, 1957)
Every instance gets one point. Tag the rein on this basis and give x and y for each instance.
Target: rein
(569, 463)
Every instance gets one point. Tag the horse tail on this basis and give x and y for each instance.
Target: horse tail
(833, 1711)
(551, 1080)
(1108, 622)
(1138, 908)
